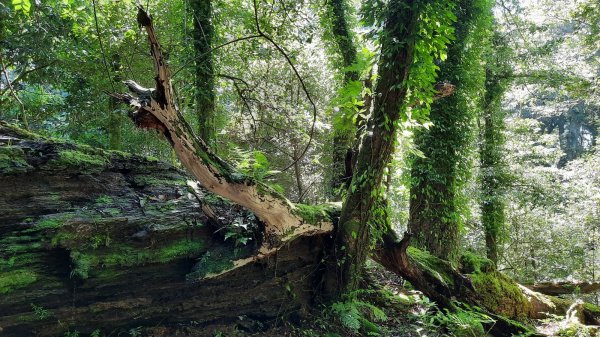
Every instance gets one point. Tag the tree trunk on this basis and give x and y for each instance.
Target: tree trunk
(344, 135)
(492, 172)
(114, 115)
(359, 210)
(204, 84)
(437, 179)
(94, 239)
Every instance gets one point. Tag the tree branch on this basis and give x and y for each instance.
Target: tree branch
(159, 111)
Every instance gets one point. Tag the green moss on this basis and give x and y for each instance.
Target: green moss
(127, 256)
(577, 330)
(434, 266)
(500, 294)
(12, 280)
(592, 308)
(179, 249)
(79, 159)
(148, 180)
(313, 214)
(50, 223)
(104, 200)
(12, 160)
(473, 263)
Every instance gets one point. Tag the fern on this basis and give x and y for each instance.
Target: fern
(352, 316)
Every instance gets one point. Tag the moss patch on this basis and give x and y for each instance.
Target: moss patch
(473, 263)
(50, 223)
(79, 159)
(500, 294)
(313, 214)
(12, 160)
(9, 281)
(127, 256)
(433, 265)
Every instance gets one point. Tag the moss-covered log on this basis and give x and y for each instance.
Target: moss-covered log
(476, 283)
(93, 239)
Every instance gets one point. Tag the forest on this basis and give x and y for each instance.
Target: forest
(302, 168)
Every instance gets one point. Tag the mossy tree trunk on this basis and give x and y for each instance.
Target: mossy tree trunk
(435, 210)
(204, 80)
(360, 209)
(478, 284)
(336, 21)
(493, 173)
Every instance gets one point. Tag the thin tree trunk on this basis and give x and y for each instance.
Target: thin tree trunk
(359, 210)
(204, 95)
(114, 116)
(493, 177)
(344, 135)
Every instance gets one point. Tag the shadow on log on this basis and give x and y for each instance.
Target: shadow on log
(100, 239)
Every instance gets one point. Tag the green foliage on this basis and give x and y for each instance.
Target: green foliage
(358, 316)
(253, 164)
(22, 6)
(73, 333)
(463, 322)
(436, 31)
(135, 332)
(239, 232)
(40, 312)
(313, 214)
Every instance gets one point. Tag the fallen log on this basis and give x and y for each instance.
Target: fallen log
(93, 239)
(564, 288)
(476, 283)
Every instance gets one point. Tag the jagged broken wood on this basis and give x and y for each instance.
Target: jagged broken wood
(156, 109)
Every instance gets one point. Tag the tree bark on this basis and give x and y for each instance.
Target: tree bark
(565, 288)
(492, 172)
